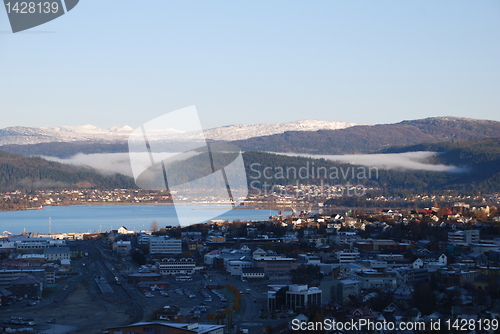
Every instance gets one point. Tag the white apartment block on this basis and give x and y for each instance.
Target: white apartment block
(26, 244)
(347, 256)
(302, 297)
(464, 237)
(164, 245)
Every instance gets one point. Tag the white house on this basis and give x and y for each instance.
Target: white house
(124, 230)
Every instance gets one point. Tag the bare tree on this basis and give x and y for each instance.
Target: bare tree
(154, 226)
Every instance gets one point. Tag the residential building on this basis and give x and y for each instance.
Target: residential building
(165, 245)
(50, 275)
(183, 266)
(5, 296)
(9, 275)
(344, 288)
(458, 277)
(27, 287)
(375, 264)
(483, 248)
(276, 267)
(143, 238)
(56, 253)
(377, 280)
(464, 237)
(259, 253)
(122, 247)
(33, 245)
(209, 258)
(388, 245)
(124, 230)
(216, 238)
(347, 256)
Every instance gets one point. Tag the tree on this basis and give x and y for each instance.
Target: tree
(423, 298)
(310, 275)
(154, 226)
(138, 258)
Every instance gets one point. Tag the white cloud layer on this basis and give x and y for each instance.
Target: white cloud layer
(407, 160)
(106, 163)
(120, 162)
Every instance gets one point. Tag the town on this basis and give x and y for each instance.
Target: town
(278, 197)
(411, 266)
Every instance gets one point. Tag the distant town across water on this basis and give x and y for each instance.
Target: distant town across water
(90, 218)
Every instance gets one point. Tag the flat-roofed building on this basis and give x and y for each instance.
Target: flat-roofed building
(56, 253)
(279, 266)
(32, 245)
(184, 266)
(235, 267)
(165, 245)
(122, 247)
(377, 280)
(252, 273)
(464, 237)
(9, 275)
(27, 286)
(347, 256)
(167, 328)
(344, 288)
(302, 297)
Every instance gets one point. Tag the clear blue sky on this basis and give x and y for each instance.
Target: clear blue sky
(118, 62)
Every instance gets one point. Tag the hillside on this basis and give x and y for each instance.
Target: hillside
(480, 160)
(480, 173)
(20, 172)
(344, 140)
(481, 157)
(66, 150)
(372, 138)
(471, 144)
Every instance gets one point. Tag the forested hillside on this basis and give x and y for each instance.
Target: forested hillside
(19, 172)
(372, 138)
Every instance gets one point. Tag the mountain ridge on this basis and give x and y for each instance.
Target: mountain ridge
(373, 138)
(21, 135)
(354, 139)
(480, 158)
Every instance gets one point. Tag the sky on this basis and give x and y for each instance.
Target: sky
(125, 62)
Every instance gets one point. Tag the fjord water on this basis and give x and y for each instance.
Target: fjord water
(90, 218)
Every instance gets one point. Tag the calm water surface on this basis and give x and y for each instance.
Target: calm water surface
(89, 218)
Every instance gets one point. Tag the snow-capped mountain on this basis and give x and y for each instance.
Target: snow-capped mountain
(240, 132)
(25, 135)
(33, 135)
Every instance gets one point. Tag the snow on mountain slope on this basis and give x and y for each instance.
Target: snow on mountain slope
(239, 132)
(25, 135)
(33, 135)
